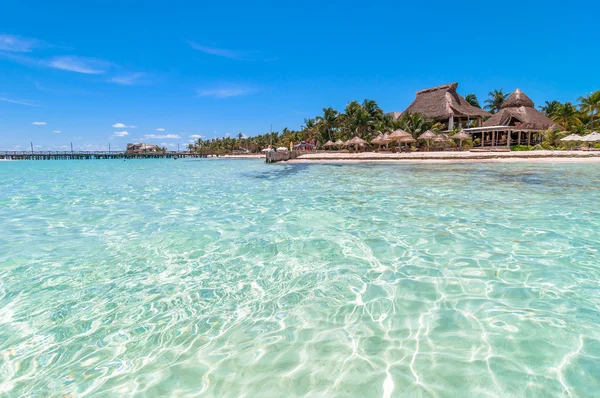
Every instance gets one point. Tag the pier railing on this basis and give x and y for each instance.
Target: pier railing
(57, 155)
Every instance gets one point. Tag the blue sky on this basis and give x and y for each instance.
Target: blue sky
(100, 72)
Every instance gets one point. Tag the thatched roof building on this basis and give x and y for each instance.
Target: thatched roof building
(444, 104)
(519, 110)
(517, 122)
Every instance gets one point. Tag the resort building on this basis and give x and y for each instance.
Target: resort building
(443, 104)
(142, 148)
(517, 123)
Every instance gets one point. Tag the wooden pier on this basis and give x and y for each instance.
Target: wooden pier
(81, 155)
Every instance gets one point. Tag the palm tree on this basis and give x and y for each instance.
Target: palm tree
(308, 129)
(549, 107)
(590, 104)
(414, 123)
(566, 115)
(495, 100)
(356, 120)
(374, 111)
(327, 123)
(472, 99)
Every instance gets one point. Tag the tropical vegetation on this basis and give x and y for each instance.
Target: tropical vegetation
(366, 120)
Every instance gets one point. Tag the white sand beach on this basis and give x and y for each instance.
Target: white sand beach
(525, 156)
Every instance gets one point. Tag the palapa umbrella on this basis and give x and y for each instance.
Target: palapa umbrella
(461, 136)
(357, 141)
(340, 143)
(381, 139)
(377, 140)
(329, 144)
(407, 140)
(427, 136)
(397, 134)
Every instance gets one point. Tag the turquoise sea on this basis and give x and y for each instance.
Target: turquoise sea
(218, 277)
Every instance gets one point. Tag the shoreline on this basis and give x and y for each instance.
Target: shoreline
(449, 157)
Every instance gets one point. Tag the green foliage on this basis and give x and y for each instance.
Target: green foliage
(590, 105)
(495, 100)
(472, 99)
(415, 124)
(367, 119)
(549, 107)
(521, 148)
(566, 115)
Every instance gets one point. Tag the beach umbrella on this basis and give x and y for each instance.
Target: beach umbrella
(357, 141)
(461, 136)
(572, 137)
(591, 137)
(377, 140)
(407, 140)
(339, 143)
(329, 143)
(397, 134)
(427, 136)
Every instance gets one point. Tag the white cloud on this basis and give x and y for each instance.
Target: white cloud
(133, 127)
(221, 52)
(39, 123)
(225, 91)
(160, 129)
(119, 126)
(79, 64)
(56, 131)
(196, 136)
(20, 102)
(120, 133)
(18, 44)
(164, 136)
(128, 80)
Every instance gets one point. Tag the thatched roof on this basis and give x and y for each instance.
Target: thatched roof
(397, 134)
(357, 141)
(329, 143)
(462, 135)
(518, 110)
(427, 135)
(439, 103)
(517, 99)
(394, 115)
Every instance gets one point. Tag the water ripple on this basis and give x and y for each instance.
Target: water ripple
(236, 278)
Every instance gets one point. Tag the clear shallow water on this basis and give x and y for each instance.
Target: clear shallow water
(236, 278)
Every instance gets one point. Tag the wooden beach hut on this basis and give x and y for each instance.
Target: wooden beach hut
(443, 104)
(517, 123)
